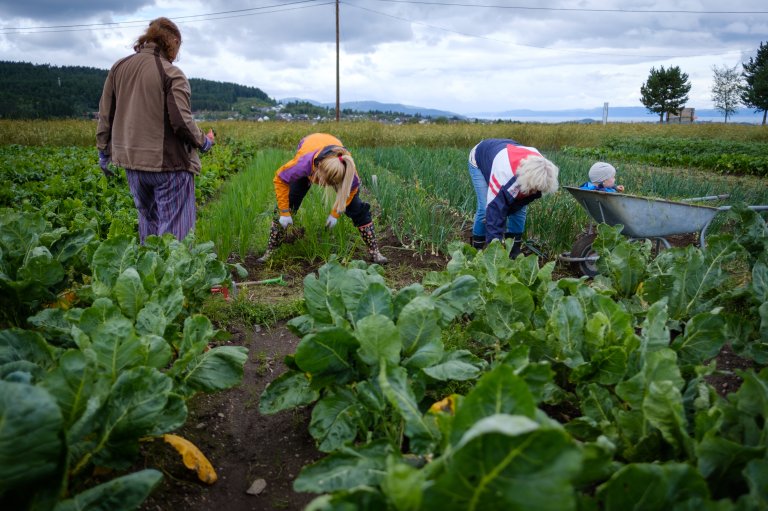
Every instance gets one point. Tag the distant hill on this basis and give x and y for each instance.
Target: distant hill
(42, 91)
(615, 112)
(375, 106)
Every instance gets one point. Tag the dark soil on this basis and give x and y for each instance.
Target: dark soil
(244, 446)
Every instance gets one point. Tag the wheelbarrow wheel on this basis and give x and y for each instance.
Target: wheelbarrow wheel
(582, 247)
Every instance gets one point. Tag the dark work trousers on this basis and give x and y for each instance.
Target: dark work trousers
(165, 201)
(357, 210)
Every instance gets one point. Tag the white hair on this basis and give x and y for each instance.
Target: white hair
(537, 174)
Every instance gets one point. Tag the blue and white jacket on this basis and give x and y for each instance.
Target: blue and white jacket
(498, 160)
(600, 188)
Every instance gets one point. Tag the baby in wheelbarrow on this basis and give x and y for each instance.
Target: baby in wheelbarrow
(602, 177)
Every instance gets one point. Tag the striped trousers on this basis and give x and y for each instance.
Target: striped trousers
(165, 202)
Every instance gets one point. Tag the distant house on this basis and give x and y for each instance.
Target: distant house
(684, 116)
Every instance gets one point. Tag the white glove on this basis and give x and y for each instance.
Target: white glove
(285, 221)
(331, 222)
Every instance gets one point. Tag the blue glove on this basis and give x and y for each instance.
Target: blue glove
(285, 221)
(104, 161)
(330, 222)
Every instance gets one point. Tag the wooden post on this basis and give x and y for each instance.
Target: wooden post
(338, 103)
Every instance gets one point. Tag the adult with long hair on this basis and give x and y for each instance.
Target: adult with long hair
(506, 176)
(146, 127)
(323, 160)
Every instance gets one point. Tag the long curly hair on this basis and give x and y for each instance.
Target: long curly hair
(336, 171)
(165, 34)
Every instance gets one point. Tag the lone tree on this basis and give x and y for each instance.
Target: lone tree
(665, 92)
(726, 90)
(755, 92)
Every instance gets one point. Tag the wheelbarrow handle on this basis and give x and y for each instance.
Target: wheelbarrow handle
(707, 197)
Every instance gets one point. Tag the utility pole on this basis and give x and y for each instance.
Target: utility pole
(338, 104)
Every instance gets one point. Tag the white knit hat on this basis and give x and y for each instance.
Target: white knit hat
(601, 171)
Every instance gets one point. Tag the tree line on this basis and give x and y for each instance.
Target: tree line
(42, 91)
(666, 90)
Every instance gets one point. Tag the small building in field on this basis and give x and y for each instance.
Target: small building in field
(684, 116)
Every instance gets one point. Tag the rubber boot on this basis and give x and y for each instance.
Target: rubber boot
(369, 237)
(478, 242)
(517, 244)
(276, 237)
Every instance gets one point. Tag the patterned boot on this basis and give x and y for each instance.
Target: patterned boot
(369, 237)
(276, 237)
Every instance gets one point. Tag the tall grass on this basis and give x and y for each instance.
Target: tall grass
(238, 220)
(283, 135)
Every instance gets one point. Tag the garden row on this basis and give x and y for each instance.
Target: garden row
(573, 395)
(102, 342)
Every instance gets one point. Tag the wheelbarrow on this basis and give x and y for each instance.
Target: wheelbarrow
(642, 218)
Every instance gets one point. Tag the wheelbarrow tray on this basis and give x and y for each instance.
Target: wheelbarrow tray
(643, 217)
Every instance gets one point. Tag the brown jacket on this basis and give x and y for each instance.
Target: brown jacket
(145, 119)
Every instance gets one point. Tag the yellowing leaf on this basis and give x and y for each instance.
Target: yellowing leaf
(447, 405)
(193, 458)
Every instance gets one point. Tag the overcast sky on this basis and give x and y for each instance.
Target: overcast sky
(464, 56)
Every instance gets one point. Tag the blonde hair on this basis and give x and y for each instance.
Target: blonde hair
(165, 34)
(537, 174)
(337, 171)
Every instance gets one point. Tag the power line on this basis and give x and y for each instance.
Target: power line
(564, 50)
(211, 16)
(569, 9)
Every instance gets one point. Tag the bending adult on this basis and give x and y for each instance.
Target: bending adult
(323, 160)
(506, 176)
(146, 127)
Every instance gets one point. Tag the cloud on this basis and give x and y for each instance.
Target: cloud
(459, 58)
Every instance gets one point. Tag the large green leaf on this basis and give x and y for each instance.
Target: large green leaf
(18, 344)
(624, 262)
(130, 292)
(151, 319)
(72, 245)
(216, 369)
(289, 390)
(120, 494)
(722, 461)
(354, 285)
(459, 365)
(379, 339)
(327, 351)
(655, 334)
(498, 391)
(111, 258)
(116, 346)
(140, 403)
(394, 383)
(403, 485)
(456, 298)
(346, 469)
(566, 324)
(31, 435)
(507, 462)
(663, 408)
(702, 339)
(19, 232)
(40, 268)
(404, 296)
(335, 420)
(376, 299)
(647, 487)
(321, 293)
(420, 333)
(71, 383)
(170, 295)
